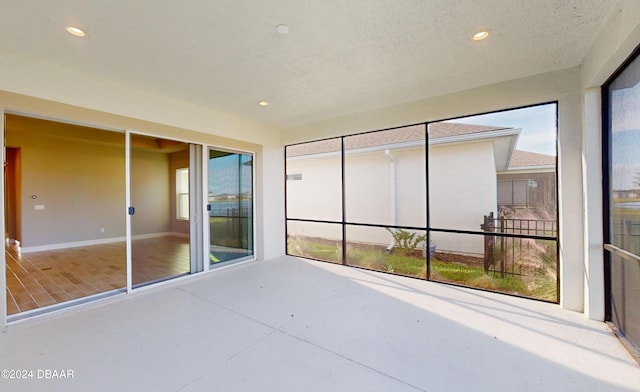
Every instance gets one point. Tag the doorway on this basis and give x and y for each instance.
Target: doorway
(12, 221)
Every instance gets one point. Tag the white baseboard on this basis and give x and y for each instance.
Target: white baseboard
(151, 235)
(65, 245)
(102, 241)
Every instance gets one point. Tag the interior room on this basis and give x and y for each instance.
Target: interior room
(66, 235)
(72, 178)
(321, 195)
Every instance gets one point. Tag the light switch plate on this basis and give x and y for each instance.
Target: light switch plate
(39, 207)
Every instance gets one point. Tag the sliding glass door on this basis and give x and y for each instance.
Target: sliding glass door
(230, 205)
(117, 210)
(64, 200)
(160, 210)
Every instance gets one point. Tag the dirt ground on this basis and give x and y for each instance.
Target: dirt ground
(457, 258)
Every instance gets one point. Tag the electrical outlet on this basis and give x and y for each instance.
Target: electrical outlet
(102, 229)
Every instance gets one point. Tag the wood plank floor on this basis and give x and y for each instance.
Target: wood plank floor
(39, 279)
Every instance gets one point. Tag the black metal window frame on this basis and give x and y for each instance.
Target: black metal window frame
(428, 229)
(607, 220)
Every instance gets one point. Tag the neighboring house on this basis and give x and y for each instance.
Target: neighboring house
(471, 167)
(626, 194)
(529, 183)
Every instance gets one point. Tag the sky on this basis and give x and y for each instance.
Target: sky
(625, 140)
(538, 124)
(224, 174)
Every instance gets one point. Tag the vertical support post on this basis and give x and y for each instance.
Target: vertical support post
(344, 210)
(503, 253)
(489, 241)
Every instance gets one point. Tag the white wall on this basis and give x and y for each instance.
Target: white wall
(593, 205)
(462, 190)
(327, 231)
(270, 201)
(369, 193)
(370, 187)
(318, 195)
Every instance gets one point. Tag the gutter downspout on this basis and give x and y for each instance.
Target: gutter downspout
(394, 216)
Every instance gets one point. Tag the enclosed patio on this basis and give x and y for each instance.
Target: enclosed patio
(288, 324)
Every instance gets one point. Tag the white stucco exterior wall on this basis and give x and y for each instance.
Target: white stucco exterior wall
(462, 189)
(593, 204)
(370, 187)
(270, 201)
(318, 195)
(368, 183)
(373, 180)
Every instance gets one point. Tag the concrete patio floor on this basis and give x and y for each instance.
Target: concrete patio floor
(295, 325)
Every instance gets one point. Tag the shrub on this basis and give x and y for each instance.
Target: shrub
(405, 239)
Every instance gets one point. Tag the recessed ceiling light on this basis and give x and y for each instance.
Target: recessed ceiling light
(282, 29)
(263, 103)
(75, 31)
(480, 35)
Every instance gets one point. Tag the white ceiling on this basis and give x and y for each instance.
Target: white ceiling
(340, 57)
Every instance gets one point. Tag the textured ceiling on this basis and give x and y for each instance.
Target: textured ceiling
(340, 57)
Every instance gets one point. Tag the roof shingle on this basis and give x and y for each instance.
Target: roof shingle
(437, 130)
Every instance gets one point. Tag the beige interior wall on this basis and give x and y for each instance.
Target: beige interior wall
(78, 183)
(150, 192)
(77, 174)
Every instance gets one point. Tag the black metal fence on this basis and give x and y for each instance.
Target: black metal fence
(231, 227)
(520, 250)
